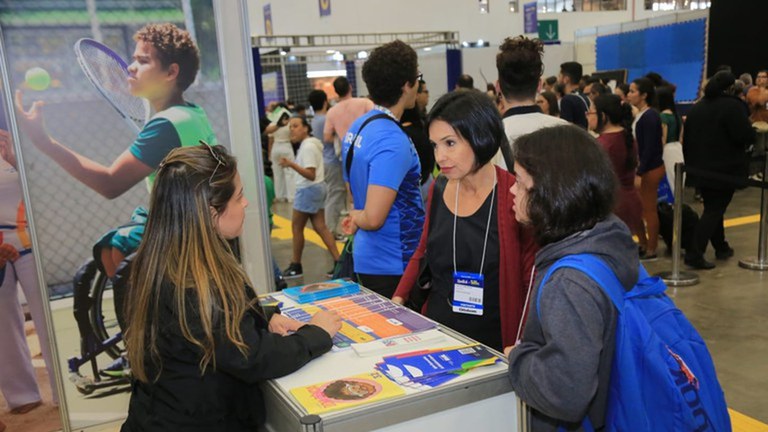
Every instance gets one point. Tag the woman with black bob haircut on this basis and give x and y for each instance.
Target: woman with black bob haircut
(470, 233)
(198, 341)
(613, 121)
(565, 192)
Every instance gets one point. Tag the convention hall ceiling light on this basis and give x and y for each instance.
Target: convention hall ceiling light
(337, 56)
(479, 44)
(326, 73)
(362, 55)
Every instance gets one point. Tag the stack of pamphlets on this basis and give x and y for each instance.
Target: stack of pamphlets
(346, 392)
(322, 290)
(430, 368)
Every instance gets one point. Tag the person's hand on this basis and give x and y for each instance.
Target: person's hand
(6, 148)
(283, 325)
(328, 321)
(31, 121)
(7, 253)
(348, 225)
(284, 162)
(508, 350)
(399, 300)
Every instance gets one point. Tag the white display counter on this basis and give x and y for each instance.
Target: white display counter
(481, 399)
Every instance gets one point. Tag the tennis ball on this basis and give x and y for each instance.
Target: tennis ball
(37, 78)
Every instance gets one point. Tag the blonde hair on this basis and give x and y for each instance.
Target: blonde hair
(183, 256)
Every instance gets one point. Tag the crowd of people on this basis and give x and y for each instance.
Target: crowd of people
(489, 186)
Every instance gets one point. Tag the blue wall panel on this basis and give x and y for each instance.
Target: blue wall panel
(676, 51)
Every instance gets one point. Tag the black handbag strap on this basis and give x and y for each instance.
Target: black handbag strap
(351, 151)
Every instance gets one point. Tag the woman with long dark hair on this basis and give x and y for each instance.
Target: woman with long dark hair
(613, 121)
(565, 192)
(470, 232)
(647, 131)
(198, 341)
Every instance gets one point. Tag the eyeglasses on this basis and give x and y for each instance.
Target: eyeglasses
(219, 162)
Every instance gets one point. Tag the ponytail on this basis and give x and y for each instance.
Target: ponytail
(610, 107)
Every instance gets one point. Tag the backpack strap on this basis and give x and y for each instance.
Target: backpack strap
(351, 151)
(598, 271)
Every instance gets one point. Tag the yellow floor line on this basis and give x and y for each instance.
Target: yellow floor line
(282, 231)
(728, 223)
(742, 423)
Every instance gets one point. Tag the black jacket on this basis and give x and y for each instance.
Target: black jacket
(226, 397)
(562, 366)
(716, 135)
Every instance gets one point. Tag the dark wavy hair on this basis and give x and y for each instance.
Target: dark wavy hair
(573, 181)
(609, 106)
(665, 97)
(173, 45)
(476, 119)
(520, 67)
(387, 70)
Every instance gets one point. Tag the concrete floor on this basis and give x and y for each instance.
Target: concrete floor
(728, 307)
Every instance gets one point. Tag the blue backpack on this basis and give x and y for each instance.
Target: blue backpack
(662, 376)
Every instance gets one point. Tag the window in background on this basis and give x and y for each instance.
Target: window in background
(668, 5)
(554, 6)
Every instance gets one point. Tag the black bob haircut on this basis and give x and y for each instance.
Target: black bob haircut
(572, 70)
(317, 99)
(476, 119)
(573, 181)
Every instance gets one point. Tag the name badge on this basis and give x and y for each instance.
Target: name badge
(468, 293)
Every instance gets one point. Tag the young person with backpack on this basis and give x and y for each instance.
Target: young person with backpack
(602, 347)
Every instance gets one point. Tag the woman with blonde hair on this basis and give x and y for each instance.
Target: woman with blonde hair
(198, 341)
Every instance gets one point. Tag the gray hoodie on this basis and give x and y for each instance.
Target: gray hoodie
(562, 366)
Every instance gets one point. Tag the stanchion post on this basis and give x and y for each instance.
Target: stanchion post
(760, 262)
(675, 277)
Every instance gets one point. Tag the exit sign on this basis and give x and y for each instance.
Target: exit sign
(548, 31)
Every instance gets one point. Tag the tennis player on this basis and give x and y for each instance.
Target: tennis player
(165, 63)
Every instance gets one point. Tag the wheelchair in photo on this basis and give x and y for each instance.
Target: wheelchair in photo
(100, 328)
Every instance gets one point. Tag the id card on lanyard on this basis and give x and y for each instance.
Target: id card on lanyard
(468, 287)
(468, 293)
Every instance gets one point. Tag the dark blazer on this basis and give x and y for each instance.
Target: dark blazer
(226, 396)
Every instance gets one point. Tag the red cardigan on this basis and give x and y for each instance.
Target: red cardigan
(516, 257)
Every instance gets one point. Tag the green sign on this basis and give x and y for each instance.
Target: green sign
(548, 30)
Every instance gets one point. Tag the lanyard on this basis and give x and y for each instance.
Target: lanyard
(487, 226)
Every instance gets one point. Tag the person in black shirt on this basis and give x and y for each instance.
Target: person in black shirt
(574, 105)
(198, 341)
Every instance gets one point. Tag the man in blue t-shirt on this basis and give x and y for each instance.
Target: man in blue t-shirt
(384, 175)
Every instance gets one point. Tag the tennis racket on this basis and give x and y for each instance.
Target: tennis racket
(108, 72)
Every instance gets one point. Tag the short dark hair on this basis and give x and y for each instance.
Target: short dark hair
(559, 89)
(388, 68)
(317, 99)
(476, 119)
(552, 80)
(599, 88)
(572, 70)
(645, 85)
(624, 87)
(341, 86)
(520, 67)
(573, 181)
(173, 45)
(465, 81)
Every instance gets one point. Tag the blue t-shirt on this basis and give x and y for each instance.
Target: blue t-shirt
(385, 156)
(329, 153)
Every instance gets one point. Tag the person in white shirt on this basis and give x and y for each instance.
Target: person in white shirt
(310, 194)
(519, 65)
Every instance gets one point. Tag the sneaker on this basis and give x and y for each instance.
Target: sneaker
(293, 270)
(699, 263)
(118, 369)
(645, 256)
(280, 283)
(724, 254)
